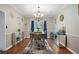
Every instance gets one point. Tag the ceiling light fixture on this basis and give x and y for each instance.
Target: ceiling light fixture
(38, 14)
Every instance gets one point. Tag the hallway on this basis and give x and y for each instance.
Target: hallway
(39, 28)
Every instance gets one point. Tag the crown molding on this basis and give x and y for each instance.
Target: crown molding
(16, 9)
(64, 6)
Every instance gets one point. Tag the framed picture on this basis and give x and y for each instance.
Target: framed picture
(61, 18)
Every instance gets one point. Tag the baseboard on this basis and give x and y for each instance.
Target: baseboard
(71, 50)
(27, 38)
(62, 44)
(12, 46)
(7, 48)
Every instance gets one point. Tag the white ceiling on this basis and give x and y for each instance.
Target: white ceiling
(49, 10)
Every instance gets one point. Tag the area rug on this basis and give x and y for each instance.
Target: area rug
(31, 50)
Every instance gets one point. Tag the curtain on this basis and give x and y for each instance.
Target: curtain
(32, 26)
(45, 28)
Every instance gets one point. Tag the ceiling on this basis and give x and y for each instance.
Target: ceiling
(28, 10)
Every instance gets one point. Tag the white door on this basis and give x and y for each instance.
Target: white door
(2, 30)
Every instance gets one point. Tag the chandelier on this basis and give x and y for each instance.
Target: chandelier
(38, 14)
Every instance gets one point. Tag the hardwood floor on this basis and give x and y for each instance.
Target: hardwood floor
(18, 48)
(56, 49)
(21, 46)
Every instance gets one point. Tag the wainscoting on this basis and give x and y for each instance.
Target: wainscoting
(63, 40)
(73, 43)
(8, 41)
(11, 40)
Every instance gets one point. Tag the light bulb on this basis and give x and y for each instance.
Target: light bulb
(39, 14)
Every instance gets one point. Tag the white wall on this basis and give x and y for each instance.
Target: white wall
(71, 19)
(14, 21)
(71, 22)
(50, 25)
(28, 26)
